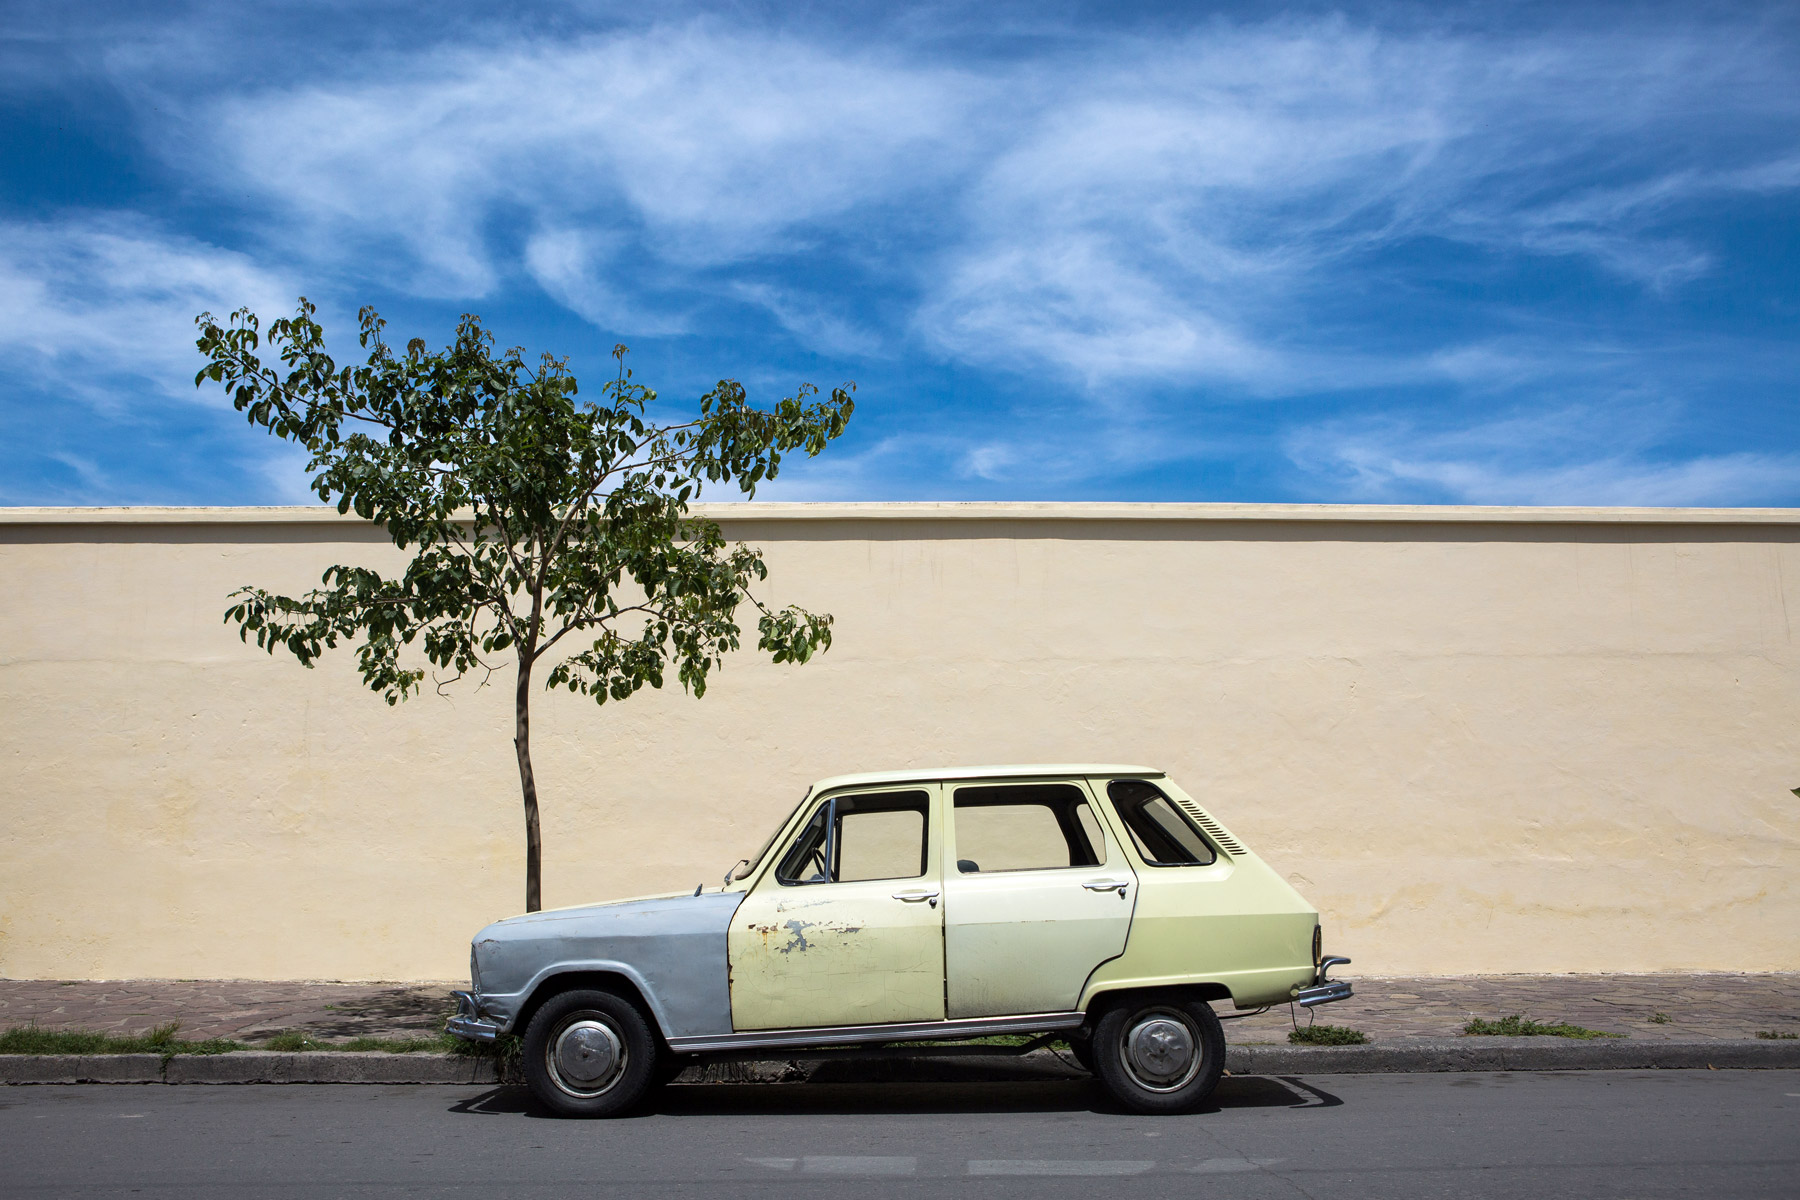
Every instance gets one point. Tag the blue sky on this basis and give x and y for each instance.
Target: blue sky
(1542, 254)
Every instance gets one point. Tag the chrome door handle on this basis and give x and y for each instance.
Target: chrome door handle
(1107, 885)
(915, 897)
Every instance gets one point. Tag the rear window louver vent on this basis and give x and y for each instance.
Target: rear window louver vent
(1213, 829)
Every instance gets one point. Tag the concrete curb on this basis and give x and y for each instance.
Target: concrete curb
(1448, 1054)
(361, 1066)
(81, 1068)
(247, 1066)
(1512, 1054)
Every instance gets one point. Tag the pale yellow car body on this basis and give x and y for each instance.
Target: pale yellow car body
(1011, 942)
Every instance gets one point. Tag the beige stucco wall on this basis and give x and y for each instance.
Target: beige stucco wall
(1479, 740)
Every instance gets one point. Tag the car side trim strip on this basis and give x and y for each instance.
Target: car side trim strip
(844, 1035)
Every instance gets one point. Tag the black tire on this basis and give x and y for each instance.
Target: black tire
(1158, 1053)
(589, 1054)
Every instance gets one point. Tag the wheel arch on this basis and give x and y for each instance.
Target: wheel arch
(574, 979)
(1106, 997)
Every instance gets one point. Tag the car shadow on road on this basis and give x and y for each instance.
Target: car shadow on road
(797, 1099)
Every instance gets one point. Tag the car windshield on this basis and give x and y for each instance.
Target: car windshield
(749, 864)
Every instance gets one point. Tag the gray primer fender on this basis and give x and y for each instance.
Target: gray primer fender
(673, 949)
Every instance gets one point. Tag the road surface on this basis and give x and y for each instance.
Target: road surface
(1638, 1134)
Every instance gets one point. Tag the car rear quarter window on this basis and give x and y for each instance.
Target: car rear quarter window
(1162, 833)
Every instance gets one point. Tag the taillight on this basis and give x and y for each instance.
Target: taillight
(1318, 946)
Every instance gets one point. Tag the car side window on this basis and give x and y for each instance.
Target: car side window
(855, 838)
(1163, 834)
(1025, 827)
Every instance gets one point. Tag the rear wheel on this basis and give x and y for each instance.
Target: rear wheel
(1158, 1053)
(589, 1054)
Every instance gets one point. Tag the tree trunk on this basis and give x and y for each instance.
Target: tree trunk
(528, 785)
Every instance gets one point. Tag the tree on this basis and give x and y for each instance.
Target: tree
(553, 528)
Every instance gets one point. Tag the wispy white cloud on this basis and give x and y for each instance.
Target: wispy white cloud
(1167, 209)
(706, 145)
(1182, 209)
(580, 270)
(816, 322)
(1360, 211)
(1573, 456)
(99, 305)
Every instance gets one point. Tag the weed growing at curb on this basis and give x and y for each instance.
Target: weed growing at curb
(1660, 1018)
(1770, 1035)
(29, 1039)
(1517, 1026)
(1328, 1035)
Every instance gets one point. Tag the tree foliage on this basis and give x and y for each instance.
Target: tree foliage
(541, 527)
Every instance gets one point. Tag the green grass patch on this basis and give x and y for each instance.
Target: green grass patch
(29, 1039)
(1770, 1035)
(1517, 1026)
(1660, 1018)
(1328, 1035)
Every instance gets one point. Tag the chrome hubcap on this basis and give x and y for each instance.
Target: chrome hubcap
(1162, 1050)
(586, 1057)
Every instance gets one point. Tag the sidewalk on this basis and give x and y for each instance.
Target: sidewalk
(1712, 1007)
(246, 1011)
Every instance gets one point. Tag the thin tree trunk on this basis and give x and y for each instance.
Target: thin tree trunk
(528, 785)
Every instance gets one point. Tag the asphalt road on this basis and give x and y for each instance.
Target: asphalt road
(1719, 1133)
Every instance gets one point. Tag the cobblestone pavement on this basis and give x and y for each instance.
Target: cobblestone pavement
(247, 1011)
(1697, 1006)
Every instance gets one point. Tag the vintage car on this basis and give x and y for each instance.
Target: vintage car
(1098, 904)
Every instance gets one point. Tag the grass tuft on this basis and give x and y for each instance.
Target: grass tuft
(29, 1039)
(1518, 1026)
(1660, 1018)
(1328, 1035)
(1770, 1035)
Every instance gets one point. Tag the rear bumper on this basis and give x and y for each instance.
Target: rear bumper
(1323, 989)
(468, 1021)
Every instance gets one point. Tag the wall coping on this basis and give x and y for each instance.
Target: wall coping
(988, 511)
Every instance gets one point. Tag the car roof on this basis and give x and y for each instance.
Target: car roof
(1005, 771)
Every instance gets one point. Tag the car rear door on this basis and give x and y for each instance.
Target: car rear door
(1036, 895)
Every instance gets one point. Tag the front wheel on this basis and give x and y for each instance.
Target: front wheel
(1159, 1054)
(589, 1054)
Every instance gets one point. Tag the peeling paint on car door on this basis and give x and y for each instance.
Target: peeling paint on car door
(860, 952)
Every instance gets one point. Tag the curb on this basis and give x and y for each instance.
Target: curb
(1423, 1056)
(247, 1066)
(81, 1068)
(1512, 1054)
(347, 1066)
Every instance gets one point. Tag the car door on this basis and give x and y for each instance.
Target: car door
(847, 926)
(1036, 895)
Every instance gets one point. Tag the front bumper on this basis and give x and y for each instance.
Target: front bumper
(1323, 990)
(468, 1021)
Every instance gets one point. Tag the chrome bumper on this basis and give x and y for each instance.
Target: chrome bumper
(1323, 990)
(468, 1021)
